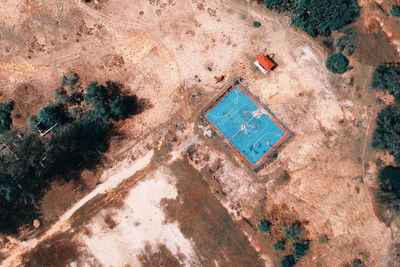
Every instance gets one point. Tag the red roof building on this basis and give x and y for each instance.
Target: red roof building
(264, 64)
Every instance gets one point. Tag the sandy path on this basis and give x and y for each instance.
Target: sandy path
(115, 177)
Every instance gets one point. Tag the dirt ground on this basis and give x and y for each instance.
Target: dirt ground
(201, 209)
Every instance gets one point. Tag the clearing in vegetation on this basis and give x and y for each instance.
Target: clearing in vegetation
(248, 127)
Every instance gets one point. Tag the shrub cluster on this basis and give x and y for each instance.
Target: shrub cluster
(5, 116)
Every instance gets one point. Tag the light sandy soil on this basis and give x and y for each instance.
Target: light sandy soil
(324, 177)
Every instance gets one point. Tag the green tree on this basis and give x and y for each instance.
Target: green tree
(122, 107)
(389, 191)
(52, 114)
(337, 63)
(5, 116)
(264, 226)
(387, 77)
(280, 245)
(300, 249)
(320, 17)
(288, 261)
(96, 94)
(395, 12)
(387, 132)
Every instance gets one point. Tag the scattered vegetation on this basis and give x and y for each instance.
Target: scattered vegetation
(5, 116)
(256, 23)
(280, 245)
(387, 77)
(387, 133)
(395, 12)
(345, 43)
(69, 79)
(293, 231)
(30, 162)
(337, 63)
(318, 17)
(264, 226)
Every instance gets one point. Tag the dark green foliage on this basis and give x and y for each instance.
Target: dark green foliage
(320, 17)
(387, 132)
(288, 261)
(280, 245)
(256, 23)
(69, 79)
(389, 192)
(122, 107)
(300, 249)
(52, 114)
(264, 226)
(293, 231)
(280, 5)
(60, 96)
(30, 162)
(387, 77)
(5, 116)
(96, 94)
(358, 262)
(337, 63)
(395, 12)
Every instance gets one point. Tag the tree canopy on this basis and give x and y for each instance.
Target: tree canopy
(337, 63)
(389, 191)
(387, 77)
(5, 116)
(395, 12)
(52, 114)
(387, 132)
(264, 226)
(318, 17)
(69, 79)
(31, 162)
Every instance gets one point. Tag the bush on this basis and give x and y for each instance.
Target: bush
(69, 79)
(5, 116)
(320, 17)
(300, 249)
(389, 191)
(288, 261)
(395, 12)
(60, 96)
(264, 226)
(293, 231)
(337, 63)
(280, 245)
(280, 5)
(256, 24)
(387, 77)
(387, 132)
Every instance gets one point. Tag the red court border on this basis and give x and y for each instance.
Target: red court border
(267, 112)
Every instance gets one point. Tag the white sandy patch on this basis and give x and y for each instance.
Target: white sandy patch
(141, 222)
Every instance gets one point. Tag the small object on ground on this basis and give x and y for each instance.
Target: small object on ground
(210, 69)
(36, 223)
(256, 23)
(197, 77)
(264, 63)
(220, 78)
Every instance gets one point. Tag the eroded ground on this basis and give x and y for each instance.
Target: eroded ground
(171, 192)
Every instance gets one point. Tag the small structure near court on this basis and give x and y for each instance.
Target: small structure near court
(264, 63)
(246, 125)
